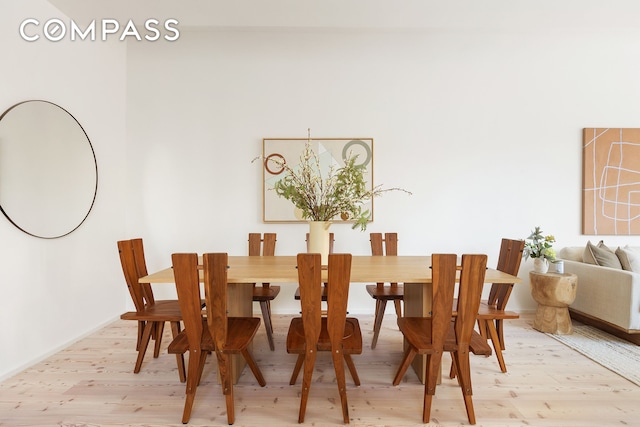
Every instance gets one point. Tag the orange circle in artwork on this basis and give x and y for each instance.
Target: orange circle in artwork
(283, 162)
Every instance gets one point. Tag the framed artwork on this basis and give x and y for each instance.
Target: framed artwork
(330, 152)
(611, 181)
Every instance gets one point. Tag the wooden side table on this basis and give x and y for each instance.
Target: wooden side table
(553, 292)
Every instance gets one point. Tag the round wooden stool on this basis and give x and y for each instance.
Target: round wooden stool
(553, 292)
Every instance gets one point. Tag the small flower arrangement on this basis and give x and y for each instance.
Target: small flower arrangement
(539, 246)
(321, 197)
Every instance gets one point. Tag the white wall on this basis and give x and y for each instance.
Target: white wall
(484, 127)
(53, 291)
(483, 124)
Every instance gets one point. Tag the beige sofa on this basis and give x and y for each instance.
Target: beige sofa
(607, 297)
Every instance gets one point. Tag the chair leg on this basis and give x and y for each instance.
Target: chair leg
(409, 355)
(381, 305)
(338, 366)
(296, 369)
(157, 332)
(224, 369)
(495, 340)
(500, 329)
(352, 368)
(431, 380)
(141, 324)
(196, 364)
(254, 367)
(482, 328)
(175, 330)
(266, 316)
(309, 363)
(269, 315)
(398, 304)
(452, 370)
(461, 358)
(144, 343)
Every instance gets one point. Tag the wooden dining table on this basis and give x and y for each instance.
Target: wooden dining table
(413, 271)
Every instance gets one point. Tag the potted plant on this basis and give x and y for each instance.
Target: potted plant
(539, 247)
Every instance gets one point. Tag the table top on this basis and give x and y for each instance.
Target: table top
(364, 269)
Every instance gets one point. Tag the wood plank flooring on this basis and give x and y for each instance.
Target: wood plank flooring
(92, 383)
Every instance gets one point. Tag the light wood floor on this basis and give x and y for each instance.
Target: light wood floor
(91, 383)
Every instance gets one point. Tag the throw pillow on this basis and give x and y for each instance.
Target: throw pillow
(629, 258)
(601, 255)
(587, 255)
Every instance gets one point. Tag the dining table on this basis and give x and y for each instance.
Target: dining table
(412, 271)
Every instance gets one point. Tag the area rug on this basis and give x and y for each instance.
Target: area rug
(615, 354)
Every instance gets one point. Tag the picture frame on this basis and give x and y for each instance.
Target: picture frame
(330, 152)
(611, 181)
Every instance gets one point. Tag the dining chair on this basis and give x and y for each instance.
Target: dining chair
(313, 332)
(264, 245)
(215, 332)
(492, 312)
(150, 314)
(324, 290)
(433, 335)
(394, 292)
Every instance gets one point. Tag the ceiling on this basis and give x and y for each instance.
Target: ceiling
(376, 14)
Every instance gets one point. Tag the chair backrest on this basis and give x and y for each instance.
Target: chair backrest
(508, 262)
(390, 244)
(339, 276)
(215, 290)
(141, 265)
(310, 280)
(262, 246)
(387, 246)
(133, 266)
(443, 284)
(331, 240)
(187, 279)
(472, 274)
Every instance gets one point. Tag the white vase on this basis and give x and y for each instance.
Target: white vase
(319, 239)
(540, 265)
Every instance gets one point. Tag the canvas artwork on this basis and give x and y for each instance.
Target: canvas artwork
(330, 152)
(611, 181)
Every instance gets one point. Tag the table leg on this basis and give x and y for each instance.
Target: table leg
(239, 304)
(417, 303)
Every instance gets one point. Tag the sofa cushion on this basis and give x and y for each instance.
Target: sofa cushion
(571, 253)
(629, 259)
(601, 255)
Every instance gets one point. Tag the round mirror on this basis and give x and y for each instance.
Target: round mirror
(48, 169)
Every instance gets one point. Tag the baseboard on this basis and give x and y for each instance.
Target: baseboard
(626, 334)
(6, 375)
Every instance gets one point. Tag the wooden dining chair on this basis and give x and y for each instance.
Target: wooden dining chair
(426, 335)
(380, 292)
(264, 245)
(150, 314)
(214, 333)
(492, 312)
(433, 335)
(324, 290)
(313, 332)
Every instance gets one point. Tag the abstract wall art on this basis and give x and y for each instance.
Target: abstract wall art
(611, 181)
(331, 152)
